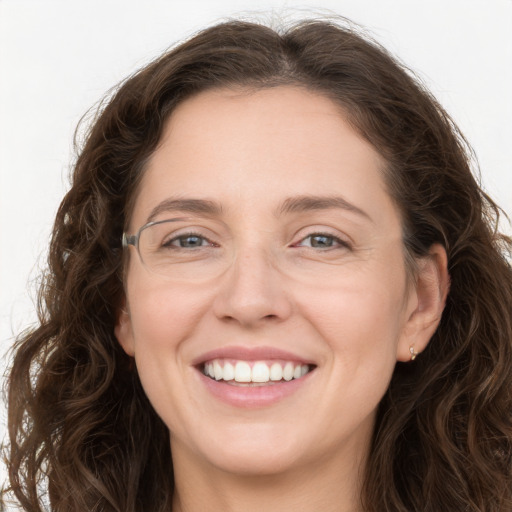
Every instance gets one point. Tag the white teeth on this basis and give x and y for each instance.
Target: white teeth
(276, 372)
(229, 371)
(217, 370)
(288, 371)
(260, 372)
(242, 372)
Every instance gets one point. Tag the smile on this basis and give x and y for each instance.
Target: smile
(257, 372)
(253, 377)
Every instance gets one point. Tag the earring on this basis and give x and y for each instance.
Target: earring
(413, 353)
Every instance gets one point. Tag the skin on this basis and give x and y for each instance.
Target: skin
(350, 308)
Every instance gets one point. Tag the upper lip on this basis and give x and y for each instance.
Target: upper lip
(250, 354)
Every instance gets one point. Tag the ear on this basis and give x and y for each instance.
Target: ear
(123, 330)
(426, 303)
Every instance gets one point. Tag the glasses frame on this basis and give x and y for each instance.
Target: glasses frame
(128, 240)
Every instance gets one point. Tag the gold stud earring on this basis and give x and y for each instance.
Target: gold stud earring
(413, 353)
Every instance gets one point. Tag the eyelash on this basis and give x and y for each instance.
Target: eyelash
(169, 243)
(338, 241)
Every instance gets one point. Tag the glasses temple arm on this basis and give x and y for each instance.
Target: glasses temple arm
(129, 240)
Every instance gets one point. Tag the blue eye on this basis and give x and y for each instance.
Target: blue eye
(322, 241)
(189, 241)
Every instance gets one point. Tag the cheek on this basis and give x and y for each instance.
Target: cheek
(357, 326)
(164, 319)
(361, 319)
(356, 310)
(163, 314)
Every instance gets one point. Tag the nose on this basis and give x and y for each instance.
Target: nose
(253, 292)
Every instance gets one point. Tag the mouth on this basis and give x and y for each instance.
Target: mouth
(254, 373)
(253, 377)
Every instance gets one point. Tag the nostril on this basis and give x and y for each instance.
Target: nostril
(230, 318)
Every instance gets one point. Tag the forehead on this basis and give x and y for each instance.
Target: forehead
(255, 147)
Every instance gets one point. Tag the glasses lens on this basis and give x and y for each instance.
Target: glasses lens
(175, 250)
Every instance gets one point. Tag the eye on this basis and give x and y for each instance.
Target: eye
(188, 241)
(322, 241)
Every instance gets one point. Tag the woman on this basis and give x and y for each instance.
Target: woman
(274, 285)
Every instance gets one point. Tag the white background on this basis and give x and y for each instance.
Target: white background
(59, 57)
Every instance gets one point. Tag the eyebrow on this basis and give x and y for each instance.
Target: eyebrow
(303, 204)
(197, 206)
(299, 204)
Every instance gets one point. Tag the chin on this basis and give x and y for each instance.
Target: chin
(255, 463)
(252, 451)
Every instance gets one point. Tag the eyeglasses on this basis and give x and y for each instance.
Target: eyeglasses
(173, 249)
(185, 249)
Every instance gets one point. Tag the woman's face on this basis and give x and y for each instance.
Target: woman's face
(284, 261)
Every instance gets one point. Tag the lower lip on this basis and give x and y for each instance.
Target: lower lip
(252, 396)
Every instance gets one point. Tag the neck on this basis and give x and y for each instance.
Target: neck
(328, 485)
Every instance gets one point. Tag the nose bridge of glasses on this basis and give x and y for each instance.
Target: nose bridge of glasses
(253, 263)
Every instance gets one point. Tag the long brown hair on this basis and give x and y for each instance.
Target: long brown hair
(80, 424)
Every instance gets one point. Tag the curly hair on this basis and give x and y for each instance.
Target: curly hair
(84, 436)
